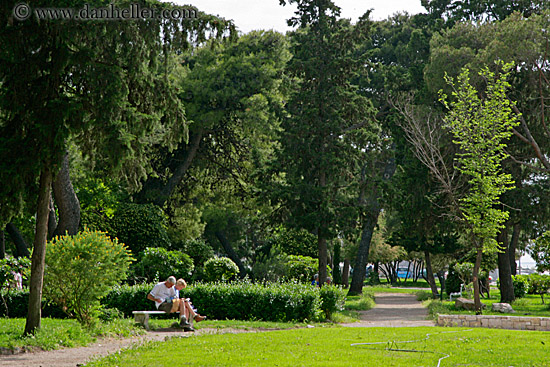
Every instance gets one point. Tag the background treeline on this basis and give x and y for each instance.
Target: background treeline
(289, 155)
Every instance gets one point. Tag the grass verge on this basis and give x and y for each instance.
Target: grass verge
(58, 333)
(334, 347)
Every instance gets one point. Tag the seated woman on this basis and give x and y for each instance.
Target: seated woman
(189, 312)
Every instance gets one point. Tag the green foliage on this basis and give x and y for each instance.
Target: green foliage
(127, 298)
(9, 266)
(295, 241)
(453, 281)
(16, 304)
(247, 301)
(140, 226)
(332, 299)
(464, 271)
(220, 269)
(521, 285)
(301, 268)
(539, 284)
(481, 128)
(157, 263)
(199, 251)
(81, 269)
(540, 251)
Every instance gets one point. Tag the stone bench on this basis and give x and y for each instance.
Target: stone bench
(142, 317)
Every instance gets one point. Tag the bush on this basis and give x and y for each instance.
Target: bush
(332, 299)
(200, 252)
(521, 284)
(127, 298)
(159, 264)
(81, 269)
(220, 269)
(539, 284)
(301, 268)
(453, 281)
(140, 226)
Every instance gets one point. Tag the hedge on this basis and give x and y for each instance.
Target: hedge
(239, 300)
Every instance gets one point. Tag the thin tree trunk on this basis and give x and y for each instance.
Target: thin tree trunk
(231, 252)
(441, 277)
(345, 273)
(322, 248)
(477, 266)
(2, 246)
(39, 252)
(504, 273)
(430, 274)
(513, 246)
(21, 248)
(66, 200)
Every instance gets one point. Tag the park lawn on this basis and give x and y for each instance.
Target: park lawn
(333, 347)
(61, 333)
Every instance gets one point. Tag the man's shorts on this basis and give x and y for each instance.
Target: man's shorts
(166, 306)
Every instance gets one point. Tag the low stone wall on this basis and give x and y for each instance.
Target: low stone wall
(496, 322)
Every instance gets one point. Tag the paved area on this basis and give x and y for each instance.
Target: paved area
(394, 310)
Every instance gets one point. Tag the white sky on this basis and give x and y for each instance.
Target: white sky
(251, 15)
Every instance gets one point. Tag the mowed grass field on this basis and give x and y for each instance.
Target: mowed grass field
(340, 346)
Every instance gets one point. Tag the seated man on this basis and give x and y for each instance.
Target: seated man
(190, 312)
(164, 296)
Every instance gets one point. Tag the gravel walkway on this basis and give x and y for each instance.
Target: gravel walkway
(392, 310)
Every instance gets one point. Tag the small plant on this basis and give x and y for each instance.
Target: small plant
(301, 268)
(12, 272)
(81, 269)
(521, 284)
(220, 269)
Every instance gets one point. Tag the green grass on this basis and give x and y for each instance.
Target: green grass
(530, 305)
(234, 324)
(333, 347)
(57, 333)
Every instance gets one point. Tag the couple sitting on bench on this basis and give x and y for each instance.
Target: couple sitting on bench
(166, 298)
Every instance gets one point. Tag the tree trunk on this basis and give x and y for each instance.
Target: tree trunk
(512, 249)
(345, 274)
(322, 249)
(155, 191)
(231, 252)
(21, 248)
(2, 246)
(363, 252)
(430, 274)
(39, 252)
(441, 277)
(504, 271)
(477, 266)
(67, 202)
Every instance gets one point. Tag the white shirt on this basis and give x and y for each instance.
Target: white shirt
(162, 292)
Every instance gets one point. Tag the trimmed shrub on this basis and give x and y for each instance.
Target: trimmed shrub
(160, 263)
(539, 284)
(81, 269)
(220, 269)
(240, 300)
(453, 281)
(301, 268)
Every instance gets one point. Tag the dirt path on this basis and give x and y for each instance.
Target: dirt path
(72, 357)
(392, 310)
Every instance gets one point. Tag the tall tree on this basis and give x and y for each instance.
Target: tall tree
(481, 127)
(101, 83)
(328, 121)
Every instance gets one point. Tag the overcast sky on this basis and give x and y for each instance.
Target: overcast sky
(250, 15)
